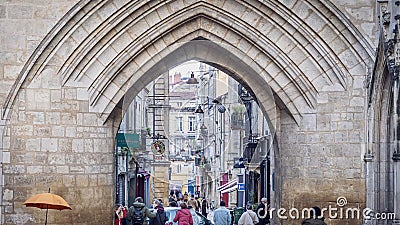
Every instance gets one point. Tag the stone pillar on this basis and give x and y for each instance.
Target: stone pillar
(369, 165)
(159, 182)
(370, 196)
(396, 185)
(395, 71)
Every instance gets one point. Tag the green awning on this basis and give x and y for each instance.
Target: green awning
(128, 140)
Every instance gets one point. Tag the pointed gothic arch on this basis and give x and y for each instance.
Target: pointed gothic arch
(101, 53)
(103, 43)
(381, 158)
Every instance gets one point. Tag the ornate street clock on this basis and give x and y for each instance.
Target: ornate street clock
(158, 147)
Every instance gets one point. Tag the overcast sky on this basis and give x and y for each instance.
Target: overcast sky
(186, 68)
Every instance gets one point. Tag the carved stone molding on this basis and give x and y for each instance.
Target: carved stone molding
(384, 17)
(396, 156)
(368, 157)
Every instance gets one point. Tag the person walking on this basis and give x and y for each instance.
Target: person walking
(262, 212)
(119, 214)
(183, 216)
(193, 202)
(222, 215)
(138, 213)
(125, 212)
(316, 218)
(204, 207)
(249, 217)
(198, 204)
(173, 204)
(185, 197)
(171, 198)
(161, 216)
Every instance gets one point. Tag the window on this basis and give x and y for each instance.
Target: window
(179, 104)
(178, 146)
(192, 123)
(180, 123)
(179, 169)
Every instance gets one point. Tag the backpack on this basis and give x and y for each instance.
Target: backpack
(160, 219)
(137, 217)
(163, 217)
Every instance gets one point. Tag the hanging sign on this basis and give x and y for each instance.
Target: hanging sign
(241, 187)
(158, 147)
(128, 140)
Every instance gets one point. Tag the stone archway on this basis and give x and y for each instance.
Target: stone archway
(62, 113)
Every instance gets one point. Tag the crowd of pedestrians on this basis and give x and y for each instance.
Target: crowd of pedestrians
(139, 214)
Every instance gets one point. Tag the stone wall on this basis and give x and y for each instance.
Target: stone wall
(59, 136)
(361, 14)
(322, 160)
(61, 148)
(23, 25)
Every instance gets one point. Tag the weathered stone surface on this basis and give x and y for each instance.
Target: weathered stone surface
(60, 132)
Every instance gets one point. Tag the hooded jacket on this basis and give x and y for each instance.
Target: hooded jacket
(146, 212)
(184, 217)
(161, 216)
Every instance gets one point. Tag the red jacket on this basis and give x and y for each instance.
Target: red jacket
(183, 217)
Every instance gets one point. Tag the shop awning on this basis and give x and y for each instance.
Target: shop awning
(229, 185)
(143, 173)
(128, 140)
(229, 190)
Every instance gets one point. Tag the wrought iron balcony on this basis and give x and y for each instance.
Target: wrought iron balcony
(251, 145)
(237, 121)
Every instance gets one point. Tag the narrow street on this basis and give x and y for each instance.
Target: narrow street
(208, 140)
(292, 101)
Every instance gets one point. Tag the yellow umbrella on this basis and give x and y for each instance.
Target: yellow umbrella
(47, 201)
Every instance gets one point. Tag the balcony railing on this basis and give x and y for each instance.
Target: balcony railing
(251, 145)
(237, 121)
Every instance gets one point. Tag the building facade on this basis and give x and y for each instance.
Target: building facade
(131, 164)
(324, 74)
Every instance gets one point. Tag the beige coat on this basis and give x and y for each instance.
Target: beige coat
(248, 218)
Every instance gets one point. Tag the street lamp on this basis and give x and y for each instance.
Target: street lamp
(199, 110)
(192, 79)
(203, 129)
(221, 108)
